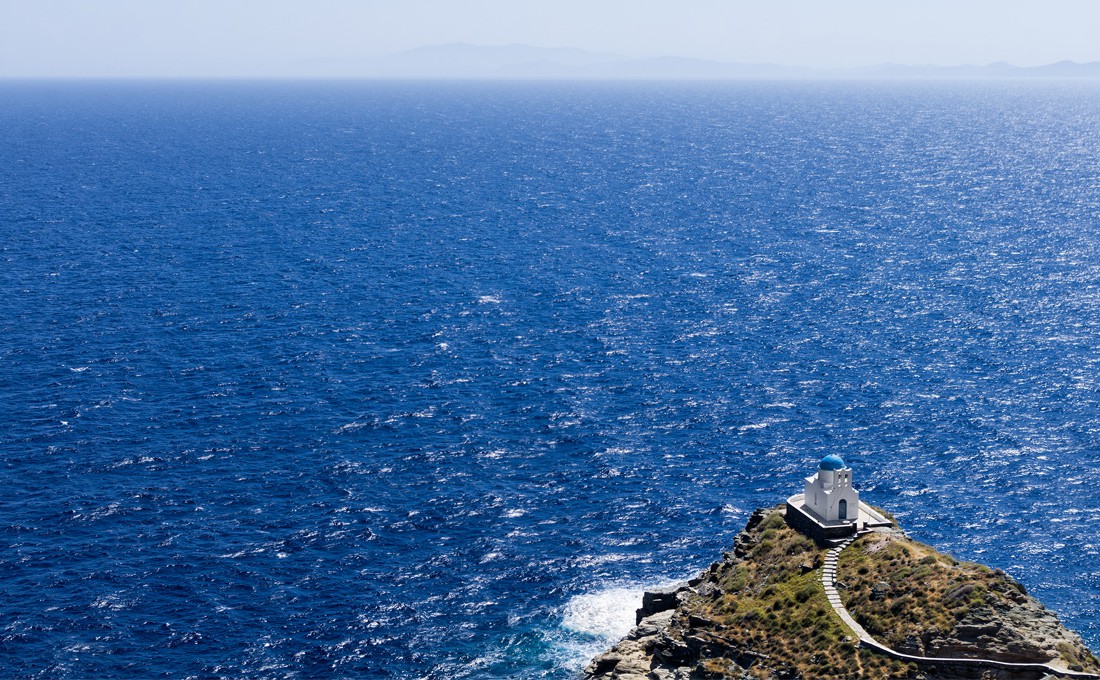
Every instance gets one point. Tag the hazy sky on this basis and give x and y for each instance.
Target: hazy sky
(266, 37)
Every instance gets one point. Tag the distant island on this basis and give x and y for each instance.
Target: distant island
(503, 62)
(789, 602)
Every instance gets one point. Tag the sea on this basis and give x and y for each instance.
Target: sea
(433, 379)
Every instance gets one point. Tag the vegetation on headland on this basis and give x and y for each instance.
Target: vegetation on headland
(762, 613)
(771, 604)
(919, 601)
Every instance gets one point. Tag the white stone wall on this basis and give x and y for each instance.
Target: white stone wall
(826, 489)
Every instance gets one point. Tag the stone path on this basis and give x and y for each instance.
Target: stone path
(828, 581)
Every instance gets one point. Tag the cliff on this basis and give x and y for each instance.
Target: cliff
(762, 612)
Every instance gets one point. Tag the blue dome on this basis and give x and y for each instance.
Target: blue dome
(832, 462)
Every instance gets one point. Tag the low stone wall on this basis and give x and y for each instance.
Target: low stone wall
(798, 520)
(960, 665)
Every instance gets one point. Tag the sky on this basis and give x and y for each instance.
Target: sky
(269, 38)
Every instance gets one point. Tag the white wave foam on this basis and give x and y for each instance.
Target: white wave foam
(592, 622)
(606, 614)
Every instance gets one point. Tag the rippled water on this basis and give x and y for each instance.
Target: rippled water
(428, 380)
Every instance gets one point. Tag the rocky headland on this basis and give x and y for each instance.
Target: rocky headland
(762, 612)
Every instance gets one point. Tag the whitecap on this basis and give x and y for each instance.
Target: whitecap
(350, 427)
(606, 614)
(753, 426)
(591, 622)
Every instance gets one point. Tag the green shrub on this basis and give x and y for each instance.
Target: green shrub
(805, 592)
(774, 521)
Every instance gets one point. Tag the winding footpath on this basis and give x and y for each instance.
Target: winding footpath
(828, 581)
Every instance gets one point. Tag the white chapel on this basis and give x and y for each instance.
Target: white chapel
(829, 508)
(829, 492)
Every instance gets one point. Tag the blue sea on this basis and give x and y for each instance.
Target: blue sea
(429, 380)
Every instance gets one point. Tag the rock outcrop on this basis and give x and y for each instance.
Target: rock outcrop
(760, 612)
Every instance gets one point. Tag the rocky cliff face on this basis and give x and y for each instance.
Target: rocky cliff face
(760, 612)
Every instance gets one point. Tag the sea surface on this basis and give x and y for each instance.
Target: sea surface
(428, 380)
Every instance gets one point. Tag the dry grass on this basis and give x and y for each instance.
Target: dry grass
(927, 591)
(771, 607)
(768, 605)
(919, 579)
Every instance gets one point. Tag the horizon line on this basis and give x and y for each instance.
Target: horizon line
(464, 61)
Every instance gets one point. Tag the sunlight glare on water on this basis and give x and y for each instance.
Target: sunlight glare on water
(429, 380)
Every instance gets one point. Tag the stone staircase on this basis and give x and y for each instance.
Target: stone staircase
(828, 581)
